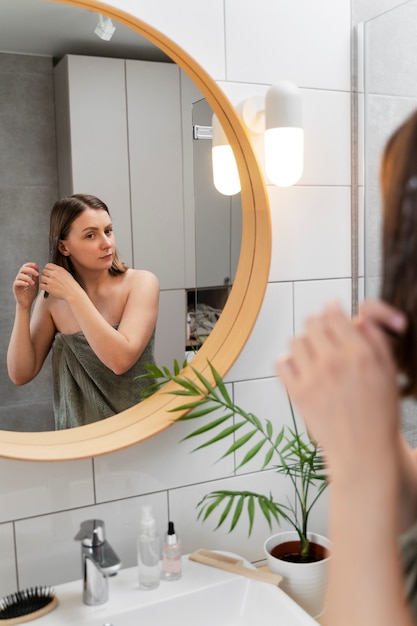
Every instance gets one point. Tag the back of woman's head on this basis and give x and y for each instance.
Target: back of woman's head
(63, 214)
(399, 275)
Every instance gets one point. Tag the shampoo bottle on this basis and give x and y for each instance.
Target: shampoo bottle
(171, 555)
(148, 551)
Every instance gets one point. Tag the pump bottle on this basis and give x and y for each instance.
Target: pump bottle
(171, 555)
(148, 551)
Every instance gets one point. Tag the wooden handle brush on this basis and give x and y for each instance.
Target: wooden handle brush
(235, 565)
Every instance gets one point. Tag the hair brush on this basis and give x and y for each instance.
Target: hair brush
(26, 605)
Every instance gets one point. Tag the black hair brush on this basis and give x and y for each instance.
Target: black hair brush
(26, 605)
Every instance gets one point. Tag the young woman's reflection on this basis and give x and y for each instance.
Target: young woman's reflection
(96, 314)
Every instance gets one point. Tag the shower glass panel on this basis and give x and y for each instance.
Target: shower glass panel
(387, 55)
(389, 45)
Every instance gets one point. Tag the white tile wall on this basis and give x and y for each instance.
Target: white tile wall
(269, 336)
(311, 296)
(326, 119)
(183, 504)
(8, 578)
(368, 9)
(164, 462)
(246, 46)
(311, 222)
(267, 399)
(48, 554)
(271, 40)
(28, 489)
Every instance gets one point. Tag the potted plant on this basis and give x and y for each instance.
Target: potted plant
(288, 452)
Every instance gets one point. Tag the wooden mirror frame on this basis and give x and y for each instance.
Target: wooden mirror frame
(231, 332)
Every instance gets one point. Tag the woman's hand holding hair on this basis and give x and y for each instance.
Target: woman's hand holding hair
(58, 282)
(382, 314)
(342, 378)
(26, 285)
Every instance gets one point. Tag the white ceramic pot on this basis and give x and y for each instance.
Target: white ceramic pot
(303, 582)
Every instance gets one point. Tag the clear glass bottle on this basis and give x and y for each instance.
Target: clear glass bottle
(148, 551)
(171, 555)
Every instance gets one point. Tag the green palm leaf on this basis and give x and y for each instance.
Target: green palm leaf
(294, 454)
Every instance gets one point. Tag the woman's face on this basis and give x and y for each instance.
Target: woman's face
(90, 243)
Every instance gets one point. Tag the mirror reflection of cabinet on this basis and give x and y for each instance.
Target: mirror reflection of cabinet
(128, 116)
(218, 218)
(218, 234)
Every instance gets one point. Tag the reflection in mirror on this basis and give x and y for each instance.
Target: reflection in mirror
(35, 73)
(218, 234)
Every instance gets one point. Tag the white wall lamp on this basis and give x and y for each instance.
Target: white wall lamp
(225, 173)
(278, 116)
(105, 28)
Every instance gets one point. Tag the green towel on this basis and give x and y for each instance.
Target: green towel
(85, 390)
(408, 547)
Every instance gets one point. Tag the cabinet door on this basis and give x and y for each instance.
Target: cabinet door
(156, 170)
(213, 213)
(92, 136)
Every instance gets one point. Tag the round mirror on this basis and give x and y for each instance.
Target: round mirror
(239, 314)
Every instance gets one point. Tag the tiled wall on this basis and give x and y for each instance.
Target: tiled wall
(28, 188)
(42, 504)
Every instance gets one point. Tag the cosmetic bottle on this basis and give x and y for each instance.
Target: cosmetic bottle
(148, 551)
(171, 555)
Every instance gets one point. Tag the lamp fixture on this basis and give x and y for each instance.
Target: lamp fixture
(225, 173)
(278, 117)
(105, 28)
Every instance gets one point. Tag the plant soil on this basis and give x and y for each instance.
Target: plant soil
(290, 551)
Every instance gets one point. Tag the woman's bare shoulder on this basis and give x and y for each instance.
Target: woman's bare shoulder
(142, 278)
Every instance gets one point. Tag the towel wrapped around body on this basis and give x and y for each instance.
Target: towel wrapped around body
(85, 390)
(408, 547)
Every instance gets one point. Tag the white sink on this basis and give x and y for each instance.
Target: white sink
(204, 595)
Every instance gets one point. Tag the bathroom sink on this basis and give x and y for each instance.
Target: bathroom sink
(204, 595)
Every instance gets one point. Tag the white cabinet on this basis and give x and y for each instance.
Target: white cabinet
(217, 217)
(156, 169)
(90, 102)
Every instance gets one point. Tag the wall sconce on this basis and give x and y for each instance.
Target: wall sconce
(105, 28)
(278, 116)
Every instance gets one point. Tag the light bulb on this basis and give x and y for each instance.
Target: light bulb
(284, 150)
(225, 173)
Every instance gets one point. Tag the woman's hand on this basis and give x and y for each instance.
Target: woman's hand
(382, 314)
(342, 378)
(57, 281)
(26, 285)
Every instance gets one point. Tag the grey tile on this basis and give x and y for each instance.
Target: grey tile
(27, 417)
(27, 129)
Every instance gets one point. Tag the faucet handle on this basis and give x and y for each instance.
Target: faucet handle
(91, 533)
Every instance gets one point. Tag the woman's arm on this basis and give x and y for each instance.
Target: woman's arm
(31, 339)
(117, 349)
(342, 378)
(366, 585)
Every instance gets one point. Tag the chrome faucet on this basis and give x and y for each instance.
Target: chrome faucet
(99, 561)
